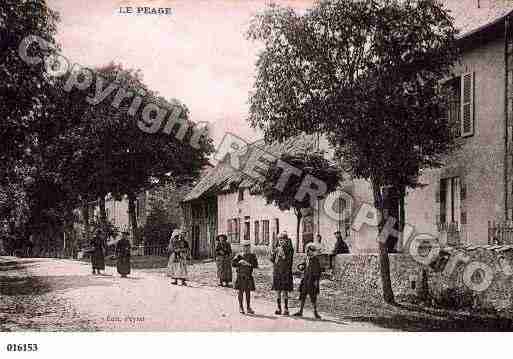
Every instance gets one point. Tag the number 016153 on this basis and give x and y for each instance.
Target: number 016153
(22, 347)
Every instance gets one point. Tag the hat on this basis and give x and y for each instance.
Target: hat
(176, 232)
(311, 247)
(245, 242)
(219, 236)
(283, 234)
(337, 232)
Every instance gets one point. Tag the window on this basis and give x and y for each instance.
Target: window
(241, 195)
(450, 201)
(247, 228)
(257, 232)
(460, 111)
(275, 229)
(265, 230)
(233, 230)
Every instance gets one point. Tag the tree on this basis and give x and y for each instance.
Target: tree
(366, 74)
(125, 160)
(311, 163)
(22, 88)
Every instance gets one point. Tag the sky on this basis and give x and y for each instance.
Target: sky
(198, 54)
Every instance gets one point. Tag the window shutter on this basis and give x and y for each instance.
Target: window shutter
(467, 104)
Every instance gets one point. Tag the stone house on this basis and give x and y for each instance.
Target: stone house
(475, 185)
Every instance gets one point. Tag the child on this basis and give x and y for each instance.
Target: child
(245, 262)
(310, 282)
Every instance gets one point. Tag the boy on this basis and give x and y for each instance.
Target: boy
(310, 283)
(245, 262)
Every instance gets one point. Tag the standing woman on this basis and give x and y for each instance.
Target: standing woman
(224, 260)
(179, 250)
(123, 255)
(282, 257)
(97, 255)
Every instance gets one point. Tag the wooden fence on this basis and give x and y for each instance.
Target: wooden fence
(155, 251)
(500, 233)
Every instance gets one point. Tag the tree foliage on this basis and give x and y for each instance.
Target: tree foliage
(365, 73)
(311, 163)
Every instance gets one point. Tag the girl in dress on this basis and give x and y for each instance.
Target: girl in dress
(245, 262)
(310, 283)
(282, 257)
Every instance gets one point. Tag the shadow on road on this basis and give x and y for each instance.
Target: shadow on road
(319, 320)
(409, 323)
(37, 285)
(263, 316)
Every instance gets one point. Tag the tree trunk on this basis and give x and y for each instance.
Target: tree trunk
(103, 210)
(87, 222)
(384, 262)
(299, 215)
(402, 216)
(133, 217)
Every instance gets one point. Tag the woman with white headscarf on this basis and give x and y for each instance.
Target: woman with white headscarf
(179, 252)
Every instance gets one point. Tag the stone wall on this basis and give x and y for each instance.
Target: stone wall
(448, 287)
(360, 274)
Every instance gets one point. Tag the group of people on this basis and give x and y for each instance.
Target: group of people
(245, 262)
(282, 255)
(97, 251)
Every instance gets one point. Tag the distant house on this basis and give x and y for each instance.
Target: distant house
(117, 213)
(475, 185)
(227, 201)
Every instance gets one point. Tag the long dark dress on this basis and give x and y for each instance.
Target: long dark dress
(245, 280)
(123, 255)
(223, 261)
(282, 268)
(310, 282)
(97, 256)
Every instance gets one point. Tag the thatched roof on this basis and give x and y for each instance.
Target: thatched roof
(224, 178)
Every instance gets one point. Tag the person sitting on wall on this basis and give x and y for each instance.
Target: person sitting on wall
(340, 247)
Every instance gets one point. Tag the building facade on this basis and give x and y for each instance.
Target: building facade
(228, 202)
(475, 185)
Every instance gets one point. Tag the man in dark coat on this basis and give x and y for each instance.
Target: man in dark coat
(310, 283)
(123, 255)
(340, 247)
(282, 258)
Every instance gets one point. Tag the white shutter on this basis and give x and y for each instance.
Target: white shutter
(467, 104)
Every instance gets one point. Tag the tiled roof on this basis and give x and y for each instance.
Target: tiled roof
(468, 18)
(225, 178)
